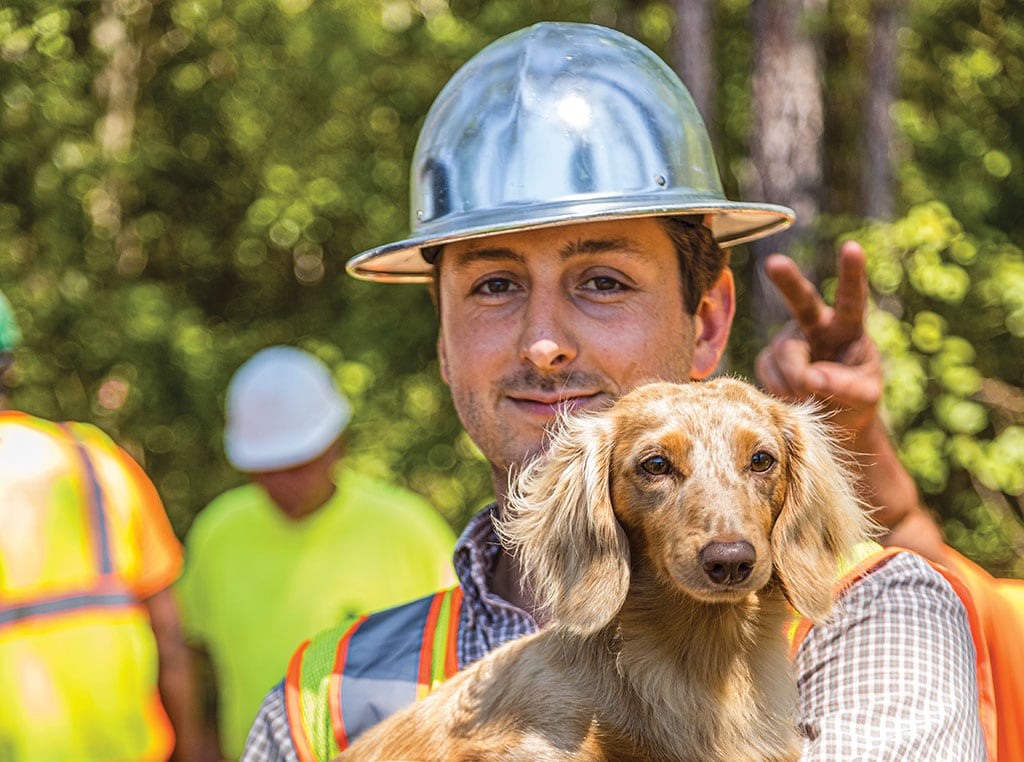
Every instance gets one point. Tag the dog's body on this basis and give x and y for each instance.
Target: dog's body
(663, 538)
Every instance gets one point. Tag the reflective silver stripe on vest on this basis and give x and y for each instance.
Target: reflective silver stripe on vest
(95, 503)
(11, 614)
(382, 666)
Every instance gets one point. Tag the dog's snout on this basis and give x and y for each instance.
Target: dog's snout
(728, 563)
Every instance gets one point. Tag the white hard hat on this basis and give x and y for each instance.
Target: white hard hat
(553, 124)
(283, 410)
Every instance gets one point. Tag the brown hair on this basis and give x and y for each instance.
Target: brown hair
(701, 259)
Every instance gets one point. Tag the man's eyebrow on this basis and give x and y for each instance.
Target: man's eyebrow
(491, 253)
(579, 247)
(583, 246)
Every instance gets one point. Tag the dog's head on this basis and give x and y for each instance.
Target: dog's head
(719, 486)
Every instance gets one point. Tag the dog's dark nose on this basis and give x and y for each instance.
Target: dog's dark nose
(728, 563)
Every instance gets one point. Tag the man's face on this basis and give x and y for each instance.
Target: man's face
(571, 317)
(300, 490)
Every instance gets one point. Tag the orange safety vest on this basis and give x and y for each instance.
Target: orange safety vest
(347, 679)
(78, 660)
(1000, 604)
(989, 708)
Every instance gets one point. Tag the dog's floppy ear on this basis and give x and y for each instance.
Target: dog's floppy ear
(821, 520)
(559, 520)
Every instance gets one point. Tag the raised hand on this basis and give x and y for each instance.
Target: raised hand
(825, 352)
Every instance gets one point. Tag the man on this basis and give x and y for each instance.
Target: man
(304, 544)
(92, 660)
(567, 208)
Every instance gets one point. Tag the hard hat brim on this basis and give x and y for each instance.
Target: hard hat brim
(732, 223)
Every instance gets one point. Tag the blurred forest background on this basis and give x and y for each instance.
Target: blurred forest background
(182, 181)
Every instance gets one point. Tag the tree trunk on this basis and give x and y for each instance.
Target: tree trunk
(692, 41)
(117, 87)
(877, 199)
(788, 125)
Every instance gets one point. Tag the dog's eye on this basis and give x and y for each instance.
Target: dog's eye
(657, 465)
(761, 462)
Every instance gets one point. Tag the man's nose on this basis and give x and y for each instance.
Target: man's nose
(548, 343)
(547, 354)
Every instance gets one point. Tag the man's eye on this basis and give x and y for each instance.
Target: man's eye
(495, 286)
(603, 283)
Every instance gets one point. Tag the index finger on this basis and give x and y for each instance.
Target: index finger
(801, 296)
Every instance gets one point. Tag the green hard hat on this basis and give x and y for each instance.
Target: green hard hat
(10, 333)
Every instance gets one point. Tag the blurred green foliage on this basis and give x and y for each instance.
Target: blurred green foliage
(963, 109)
(181, 183)
(948, 276)
(950, 323)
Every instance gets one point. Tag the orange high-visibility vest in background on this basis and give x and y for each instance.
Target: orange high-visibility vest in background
(83, 541)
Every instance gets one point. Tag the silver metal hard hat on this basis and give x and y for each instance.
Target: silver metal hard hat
(553, 124)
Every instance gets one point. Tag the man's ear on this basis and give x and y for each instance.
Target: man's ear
(713, 322)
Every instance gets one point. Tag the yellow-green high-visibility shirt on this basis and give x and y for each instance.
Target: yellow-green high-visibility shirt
(257, 583)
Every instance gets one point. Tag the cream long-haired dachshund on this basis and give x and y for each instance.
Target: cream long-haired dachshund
(665, 539)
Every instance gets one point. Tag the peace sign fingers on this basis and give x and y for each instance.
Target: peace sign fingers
(828, 330)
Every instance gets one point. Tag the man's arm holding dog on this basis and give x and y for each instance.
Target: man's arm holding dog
(825, 353)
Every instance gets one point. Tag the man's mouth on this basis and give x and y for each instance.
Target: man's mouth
(552, 405)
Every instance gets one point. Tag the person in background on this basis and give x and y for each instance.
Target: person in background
(566, 207)
(305, 544)
(93, 665)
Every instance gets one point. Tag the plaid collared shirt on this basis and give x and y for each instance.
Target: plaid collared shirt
(891, 676)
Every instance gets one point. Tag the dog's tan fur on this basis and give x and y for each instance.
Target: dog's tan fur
(644, 657)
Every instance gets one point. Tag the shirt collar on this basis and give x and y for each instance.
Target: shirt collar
(475, 556)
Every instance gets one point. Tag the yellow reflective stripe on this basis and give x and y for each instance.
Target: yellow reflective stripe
(791, 627)
(798, 626)
(314, 683)
(440, 644)
(860, 553)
